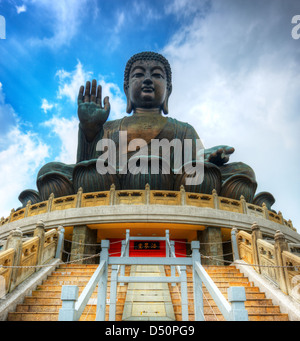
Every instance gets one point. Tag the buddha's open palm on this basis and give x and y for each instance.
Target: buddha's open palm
(91, 113)
(218, 155)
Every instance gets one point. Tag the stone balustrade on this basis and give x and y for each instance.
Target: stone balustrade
(146, 197)
(20, 259)
(272, 260)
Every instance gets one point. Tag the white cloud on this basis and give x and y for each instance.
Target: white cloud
(22, 153)
(70, 82)
(116, 98)
(64, 19)
(234, 84)
(67, 131)
(46, 106)
(21, 9)
(120, 22)
(20, 161)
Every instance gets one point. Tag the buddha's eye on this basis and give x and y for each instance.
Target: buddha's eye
(137, 75)
(157, 75)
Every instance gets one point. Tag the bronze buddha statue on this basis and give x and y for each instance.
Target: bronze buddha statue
(147, 85)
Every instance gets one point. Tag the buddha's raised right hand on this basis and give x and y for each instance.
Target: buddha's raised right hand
(91, 113)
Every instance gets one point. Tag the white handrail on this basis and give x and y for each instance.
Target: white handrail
(88, 290)
(235, 311)
(173, 255)
(214, 291)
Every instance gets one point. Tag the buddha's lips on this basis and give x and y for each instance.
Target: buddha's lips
(147, 89)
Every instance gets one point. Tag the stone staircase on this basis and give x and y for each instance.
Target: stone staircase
(45, 302)
(258, 306)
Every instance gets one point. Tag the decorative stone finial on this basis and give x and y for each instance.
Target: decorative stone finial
(279, 235)
(40, 223)
(60, 228)
(16, 233)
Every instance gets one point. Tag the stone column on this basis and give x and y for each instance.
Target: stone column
(182, 195)
(82, 235)
(40, 232)
(256, 234)
(112, 195)
(147, 194)
(280, 246)
(14, 241)
(211, 245)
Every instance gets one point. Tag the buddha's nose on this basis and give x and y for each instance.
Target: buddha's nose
(147, 79)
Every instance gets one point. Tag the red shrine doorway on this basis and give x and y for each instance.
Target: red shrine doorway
(149, 248)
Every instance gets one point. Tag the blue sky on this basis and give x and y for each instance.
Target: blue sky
(236, 79)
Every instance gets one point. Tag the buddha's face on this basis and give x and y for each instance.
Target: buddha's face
(147, 84)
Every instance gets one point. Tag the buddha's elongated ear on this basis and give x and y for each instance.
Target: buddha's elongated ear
(129, 106)
(165, 106)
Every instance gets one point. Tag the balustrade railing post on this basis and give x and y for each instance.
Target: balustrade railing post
(167, 243)
(280, 246)
(39, 231)
(182, 195)
(127, 243)
(234, 245)
(244, 204)
(184, 295)
(215, 199)
(265, 211)
(237, 297)
(14, 241)
(256, 234)
(122, 270)
(112, 195)
(27, 208)
(102, 285)
(173, 266)
(50, 202)
(69, 296)
(59, 247)
(113, 292)
(79, 197)
(147, 194)
(198, 296)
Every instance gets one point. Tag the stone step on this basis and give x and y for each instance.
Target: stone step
(76, 266)
(80, 272)
(252, 317)
(32, 300)
(25, 308)
(81, 286)
(249, 295)
(45, 302)
(72, 272)
(222, 289)
(51, 317)
(209, 309)
(57, 293)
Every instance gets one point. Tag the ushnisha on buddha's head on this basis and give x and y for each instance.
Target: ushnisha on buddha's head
(147, 83)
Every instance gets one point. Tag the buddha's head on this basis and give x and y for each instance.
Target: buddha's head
(147, 82)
